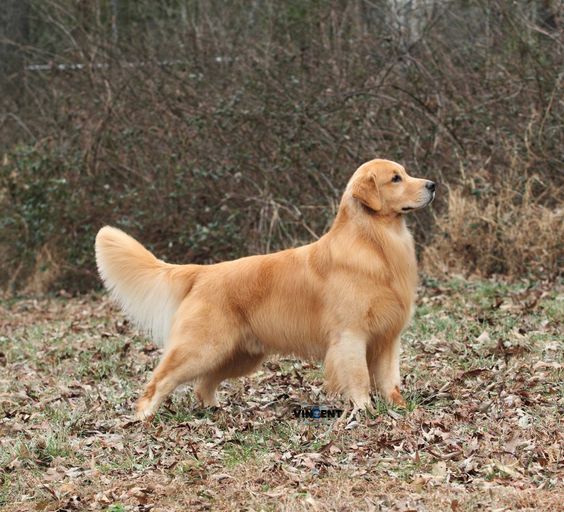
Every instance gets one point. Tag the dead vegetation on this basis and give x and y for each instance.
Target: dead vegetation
(212, 131)
(497, 231)
(482, 365)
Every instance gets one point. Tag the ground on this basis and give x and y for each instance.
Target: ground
(482, 370)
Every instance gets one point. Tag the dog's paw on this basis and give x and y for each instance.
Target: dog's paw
(144, 417)
(396, 399)
(353, 417)
(144, 411)
(206, 397)
(208, 403)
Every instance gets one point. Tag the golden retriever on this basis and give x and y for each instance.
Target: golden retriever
(343, 299)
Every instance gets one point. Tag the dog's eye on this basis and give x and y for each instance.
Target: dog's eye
(396, 178)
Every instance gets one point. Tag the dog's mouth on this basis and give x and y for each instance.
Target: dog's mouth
(406, 209)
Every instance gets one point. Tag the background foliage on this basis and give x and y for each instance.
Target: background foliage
(213, 129)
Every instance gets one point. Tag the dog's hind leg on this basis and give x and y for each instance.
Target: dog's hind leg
(240, 364)
(346, 369)
(181, 364)
(197, 348)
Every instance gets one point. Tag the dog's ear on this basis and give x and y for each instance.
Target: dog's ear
(366, 191)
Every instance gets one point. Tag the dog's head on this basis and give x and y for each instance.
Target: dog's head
(383, 188)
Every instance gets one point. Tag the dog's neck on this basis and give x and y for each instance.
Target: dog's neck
(369, 225)
(387, 237)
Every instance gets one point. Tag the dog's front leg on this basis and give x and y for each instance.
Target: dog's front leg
(346, 369)
(385, 372)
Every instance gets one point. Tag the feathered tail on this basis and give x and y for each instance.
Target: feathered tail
(148, 290)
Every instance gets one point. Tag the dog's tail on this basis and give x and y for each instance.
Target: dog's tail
(148, 290)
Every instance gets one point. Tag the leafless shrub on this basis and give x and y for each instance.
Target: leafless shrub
(211, 130)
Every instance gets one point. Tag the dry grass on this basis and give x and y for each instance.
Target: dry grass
(482, 367)
(506, 230)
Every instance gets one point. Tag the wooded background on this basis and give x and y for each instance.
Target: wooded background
(211, 129)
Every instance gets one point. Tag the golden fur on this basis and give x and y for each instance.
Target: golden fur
(344, 299)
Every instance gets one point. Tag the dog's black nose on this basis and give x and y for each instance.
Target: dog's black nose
(431, 186)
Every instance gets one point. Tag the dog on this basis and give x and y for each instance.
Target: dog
(344, 299)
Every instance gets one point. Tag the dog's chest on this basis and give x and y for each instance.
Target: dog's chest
(391, 303)
(388, 310)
